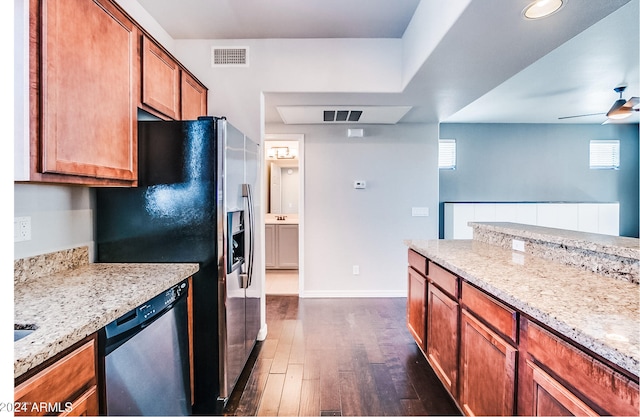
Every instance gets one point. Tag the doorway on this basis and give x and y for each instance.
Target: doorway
(284, 214)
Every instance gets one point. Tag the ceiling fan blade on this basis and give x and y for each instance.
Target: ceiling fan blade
(580, 115)
(631, 103)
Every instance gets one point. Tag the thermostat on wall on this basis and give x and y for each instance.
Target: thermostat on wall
(359, 185)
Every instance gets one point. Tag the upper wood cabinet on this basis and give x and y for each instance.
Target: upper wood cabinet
(90, 68)
(193, 98)
(83, 75)
(160, 81)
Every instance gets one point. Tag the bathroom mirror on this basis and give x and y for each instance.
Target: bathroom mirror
(283, 180)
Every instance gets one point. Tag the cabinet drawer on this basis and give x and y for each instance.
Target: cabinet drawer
(608, 390)
(443, 279)
(85, 405)
(500, 317)
(62, 380)
(418, 262)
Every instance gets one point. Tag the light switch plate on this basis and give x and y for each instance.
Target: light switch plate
(419, 211)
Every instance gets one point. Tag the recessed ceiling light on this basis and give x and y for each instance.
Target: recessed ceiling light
(542, 8)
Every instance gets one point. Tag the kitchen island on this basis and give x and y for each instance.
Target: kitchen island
(66, 298)
(539, 302)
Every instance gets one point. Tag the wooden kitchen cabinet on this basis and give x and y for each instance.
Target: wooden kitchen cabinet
(508, 364)
(84, 76)
(193, 98)
(442, 336)
(487, 370)
(160, 81)
(64, 385)
(281, 246)
(557, 378)
(417, 298)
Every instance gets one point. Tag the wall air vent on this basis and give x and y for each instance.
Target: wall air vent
(229, 56)
(342, 115)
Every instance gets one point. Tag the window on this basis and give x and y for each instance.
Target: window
(447, 154)
(604, 154)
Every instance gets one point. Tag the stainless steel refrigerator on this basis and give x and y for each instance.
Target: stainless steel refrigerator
(196, 203)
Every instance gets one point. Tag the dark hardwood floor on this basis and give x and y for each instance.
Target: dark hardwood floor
(332, 357)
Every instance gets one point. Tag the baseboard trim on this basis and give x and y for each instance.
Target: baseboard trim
(354, 294)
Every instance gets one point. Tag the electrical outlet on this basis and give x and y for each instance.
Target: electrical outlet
(21, 229)
(356, 270)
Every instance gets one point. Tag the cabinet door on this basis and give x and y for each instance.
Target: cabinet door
(270, 246)
(193, 98)
(487, 370)
(88, 80)
(442, 336)
(551, 398)
(287, 238)
(160, 80)
(416, 306)
(602, 388)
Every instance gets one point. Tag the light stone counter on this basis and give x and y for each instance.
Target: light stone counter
(68, 305)
(626, 247)
(598, 312)
(614, 256)
(270, 218)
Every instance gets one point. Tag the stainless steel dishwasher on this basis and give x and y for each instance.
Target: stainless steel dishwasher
(146, 358)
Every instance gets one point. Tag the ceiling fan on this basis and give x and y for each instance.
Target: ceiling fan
(621, 108)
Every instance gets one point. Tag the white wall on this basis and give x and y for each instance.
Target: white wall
(291, 65)
(61, 218)
(345, 226)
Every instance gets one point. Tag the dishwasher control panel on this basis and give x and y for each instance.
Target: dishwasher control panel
(146, 311)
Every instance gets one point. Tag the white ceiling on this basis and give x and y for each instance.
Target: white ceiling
(492, 66)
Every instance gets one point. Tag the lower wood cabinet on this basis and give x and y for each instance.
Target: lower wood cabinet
(494, 360)
(416, 306)
(556, 378)
(551, 398)
(487, 370)
(442, 336)
(65, 385)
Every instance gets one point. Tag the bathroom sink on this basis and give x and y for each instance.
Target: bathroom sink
(22, 330)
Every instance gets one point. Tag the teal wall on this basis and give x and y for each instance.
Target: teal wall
(541, 162)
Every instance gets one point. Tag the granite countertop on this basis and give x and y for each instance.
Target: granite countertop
(597, 312)
(614, 245)
(69, 305)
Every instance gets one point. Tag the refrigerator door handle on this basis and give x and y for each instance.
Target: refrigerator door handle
(244, 280)
(246, 192)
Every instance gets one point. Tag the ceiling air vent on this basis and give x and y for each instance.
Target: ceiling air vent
(229, 56)
(342, 115)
